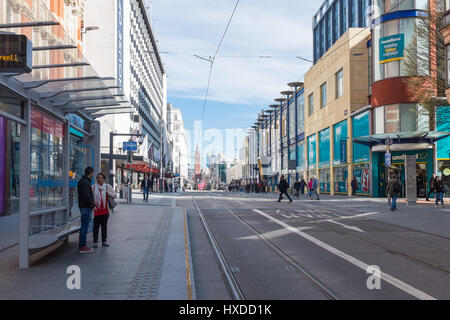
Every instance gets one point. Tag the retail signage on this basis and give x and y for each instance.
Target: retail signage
(59, 129)
(365, 179)
(48, 125)
(129, 146)
(387, 159)
(36, 119)
(392, 48)
(343, 151)
(16, 54)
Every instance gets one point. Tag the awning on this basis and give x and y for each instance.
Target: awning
(402, 137)
(141, 166)
(61, 77)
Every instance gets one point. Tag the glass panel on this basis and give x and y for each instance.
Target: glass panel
(392, 122)
(324, 148)
(340, 138)
(312, 151)
(423, 121)
(408, 117)
(361, 128)
(361, 173)
(344, 16)
(339, 83)
(340, 179)
(10, 103)
(311, 104)
(379, 120)
(324, 180)
(323, 95)
(301, 113)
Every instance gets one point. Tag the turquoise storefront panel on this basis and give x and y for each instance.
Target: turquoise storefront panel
(443, 124)
(312, 151)
(324, 148)
(361, 128)
(340, 137)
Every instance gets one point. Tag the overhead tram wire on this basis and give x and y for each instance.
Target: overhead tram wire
(214, 57)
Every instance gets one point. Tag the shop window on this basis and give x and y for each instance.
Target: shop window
(324, 148)
(362, 174)
(324, 180)
(408, 117)
(340, 179)
(392, 122)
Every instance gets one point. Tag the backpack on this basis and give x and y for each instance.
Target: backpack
(397, 188)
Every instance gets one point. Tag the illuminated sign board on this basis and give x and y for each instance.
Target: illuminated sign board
(16, 53)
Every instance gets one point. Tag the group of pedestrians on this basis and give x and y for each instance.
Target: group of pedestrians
(299, 187)
(394, 190)
(98, 198)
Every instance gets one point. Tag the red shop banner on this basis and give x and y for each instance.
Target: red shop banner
(59, 129)
(48, 125)
(36, 119)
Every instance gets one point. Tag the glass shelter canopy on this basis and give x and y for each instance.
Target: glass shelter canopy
(61, 77)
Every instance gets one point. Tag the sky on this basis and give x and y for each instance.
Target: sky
(241, 83)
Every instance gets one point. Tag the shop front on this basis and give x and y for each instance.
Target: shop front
(424, 170)
(324, 161)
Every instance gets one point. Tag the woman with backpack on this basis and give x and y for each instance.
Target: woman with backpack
(394, 190)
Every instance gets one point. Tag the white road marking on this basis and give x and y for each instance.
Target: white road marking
(347, 217)
(346, 226)
(388, 278)
(272, 234)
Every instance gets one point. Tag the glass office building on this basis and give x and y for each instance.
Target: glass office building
(334, 18)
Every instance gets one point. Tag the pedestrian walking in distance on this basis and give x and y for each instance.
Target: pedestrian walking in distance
(302, 186)
(86, 204)
(101, 192)
(431, 186)
(354, 186)
(440, 190)
(297, 188)
(283, 188)
(315, 186)
(310, 188)
(145, 186)
(394, 190)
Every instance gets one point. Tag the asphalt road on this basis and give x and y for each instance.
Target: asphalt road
(332, 249)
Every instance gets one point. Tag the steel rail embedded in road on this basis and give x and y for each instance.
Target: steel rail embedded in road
(232, 283)
(326, 291)
(386, 249)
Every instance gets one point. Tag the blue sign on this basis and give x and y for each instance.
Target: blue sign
(130, 146)
(392, 47)
(387, 159)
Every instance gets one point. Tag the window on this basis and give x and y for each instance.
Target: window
(354, 13)
(323, 95)
(447, 50)
(379, 120)
(310, 104)
(301, 113)
(339, 83)
(344, 16)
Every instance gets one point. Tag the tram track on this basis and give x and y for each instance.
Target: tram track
(232, 282)
(391, 251)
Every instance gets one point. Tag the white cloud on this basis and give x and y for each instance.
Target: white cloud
(280, 28)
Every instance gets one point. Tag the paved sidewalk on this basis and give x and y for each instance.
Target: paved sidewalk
(148, 259)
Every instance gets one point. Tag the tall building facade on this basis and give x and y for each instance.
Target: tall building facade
(334, 18)
(179, 153)
(124, 47)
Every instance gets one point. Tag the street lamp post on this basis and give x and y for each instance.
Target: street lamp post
(287, 94)
(275, 107)
(296, 85)
(281, 100)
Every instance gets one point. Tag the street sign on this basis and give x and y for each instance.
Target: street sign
(388, 159)
(129, 146)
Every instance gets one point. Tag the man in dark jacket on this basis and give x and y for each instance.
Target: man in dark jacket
(431, 186)
(394, 190)
(86, 204)
(283, 188)
(145, 186)
(297, 188)
(354, 185)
